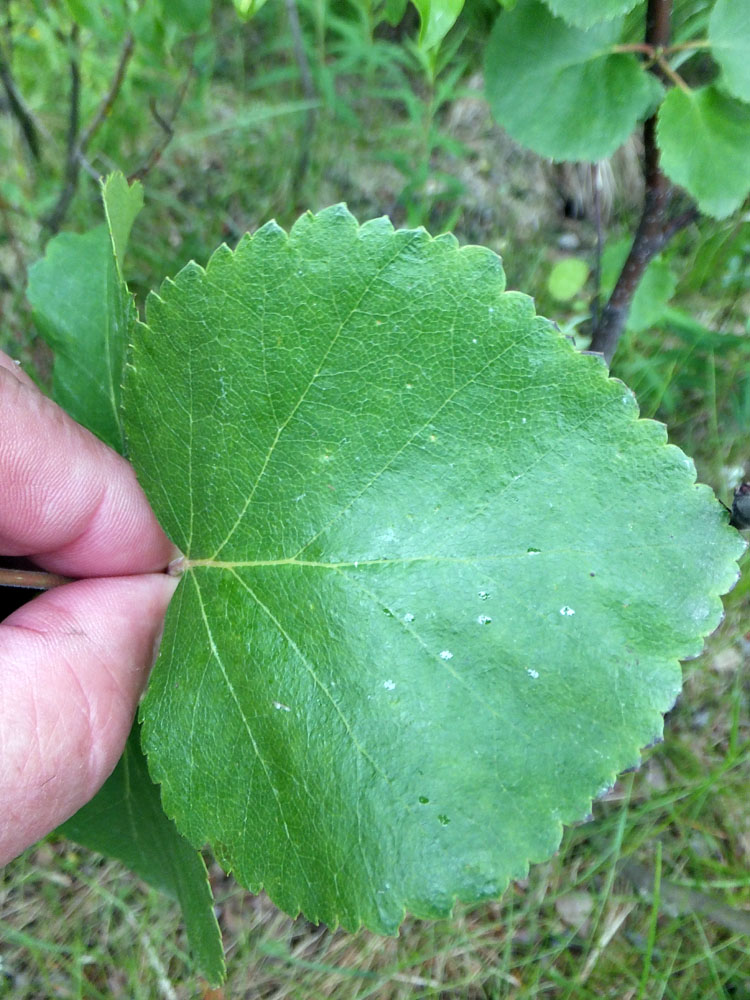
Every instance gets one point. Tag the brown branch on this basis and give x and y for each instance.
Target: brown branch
(655, 228)
(19, 109)
(167, 127)
(107, 102)
(31, 578)
(55, 217)
(78, 142)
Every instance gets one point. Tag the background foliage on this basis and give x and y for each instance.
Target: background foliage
(372, 119)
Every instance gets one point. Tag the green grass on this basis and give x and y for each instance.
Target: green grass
(651, 899)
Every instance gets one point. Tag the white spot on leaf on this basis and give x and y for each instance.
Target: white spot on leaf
(446, 655)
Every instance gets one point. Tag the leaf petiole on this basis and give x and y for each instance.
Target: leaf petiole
(31, 578)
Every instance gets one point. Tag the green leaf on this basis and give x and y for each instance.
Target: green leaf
(437, 18)
(567, 278)
(585, 14)
(248, 8)
(562, 91)
(704, 137)
(122, 203)
(83, 313)
(438, 574)
(729, 35)
(189, 15)
(125, 821)
(394, 10)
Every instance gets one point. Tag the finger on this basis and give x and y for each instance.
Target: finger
(73, 664)
(14, 367)
(68, 501)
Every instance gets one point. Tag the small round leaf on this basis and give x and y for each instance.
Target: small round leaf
(729, 35)
(704, 136)
(561, 90)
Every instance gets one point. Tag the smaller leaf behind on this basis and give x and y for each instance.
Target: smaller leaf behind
(82, 312)
(584, 14)
(561, 90)
(125, 820)
(122, 203)
(437, 18)
(704, 136)
(729, 35)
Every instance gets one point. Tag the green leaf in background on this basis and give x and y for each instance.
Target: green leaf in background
(104, 21)
(561, 91)
(188, 15)
(122, 203)
(704, 137)
(729, 35)
(84, 314)
(438, 574)
(437, 17)
(248, 8)
(567, 278)
(394, 10)
(125, 820)
(585, 14)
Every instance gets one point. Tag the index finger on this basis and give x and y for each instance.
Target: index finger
(67, 500)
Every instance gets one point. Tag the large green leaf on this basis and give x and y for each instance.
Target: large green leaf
(125, 820)
(560, 90)
(704, 136)
(438, 574)
(585, 14)
(729, 35)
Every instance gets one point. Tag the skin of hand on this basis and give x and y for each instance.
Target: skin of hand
(73, 661)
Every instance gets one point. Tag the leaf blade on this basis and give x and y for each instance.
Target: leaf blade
(125, 821)
(347, 706)
(581, 100)
(704, 137)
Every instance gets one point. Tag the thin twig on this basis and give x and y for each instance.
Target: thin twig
(19, 109)
(55, 217)
(671, 74)
(107, 102)
(655, 228)
(13, 240)
(596, 178)
(78, 143)
(167, 127)
(31, 578)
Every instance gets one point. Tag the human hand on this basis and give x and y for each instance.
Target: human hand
(73, 661)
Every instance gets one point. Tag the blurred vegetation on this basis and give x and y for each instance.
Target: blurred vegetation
(232, 123)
